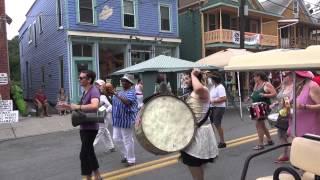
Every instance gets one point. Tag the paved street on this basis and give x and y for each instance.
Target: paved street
(55, 156)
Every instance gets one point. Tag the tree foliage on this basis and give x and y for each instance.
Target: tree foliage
(14, 59)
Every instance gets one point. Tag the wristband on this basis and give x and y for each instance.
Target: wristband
(80, 108)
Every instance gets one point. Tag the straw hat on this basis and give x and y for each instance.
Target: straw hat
(100, 82)
(129, 77)
(305, 74)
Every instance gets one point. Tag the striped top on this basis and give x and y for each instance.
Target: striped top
(123, 116)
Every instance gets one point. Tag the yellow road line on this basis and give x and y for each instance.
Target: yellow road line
(167, 161)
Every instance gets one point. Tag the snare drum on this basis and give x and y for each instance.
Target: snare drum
(259, 110)
(165, 124)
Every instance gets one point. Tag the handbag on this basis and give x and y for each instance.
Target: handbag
(282, 123)
(80, 117)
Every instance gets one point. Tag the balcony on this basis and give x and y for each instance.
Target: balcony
(231, 36)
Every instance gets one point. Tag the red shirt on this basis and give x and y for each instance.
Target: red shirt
(317, 80)
(41, 97)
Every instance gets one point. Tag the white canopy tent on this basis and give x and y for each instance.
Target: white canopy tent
(278, 60)
(221, 59)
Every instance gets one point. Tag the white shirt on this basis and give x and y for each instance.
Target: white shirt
(217, 92)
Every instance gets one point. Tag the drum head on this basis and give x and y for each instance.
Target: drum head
(273, 117)
(168, 123)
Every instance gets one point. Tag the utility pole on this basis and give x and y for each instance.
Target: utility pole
(4, 61)
(242, 22)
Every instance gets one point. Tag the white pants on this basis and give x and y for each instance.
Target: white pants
(123, 138)
(104, 136)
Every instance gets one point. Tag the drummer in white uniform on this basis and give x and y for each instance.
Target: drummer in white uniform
(203, 149)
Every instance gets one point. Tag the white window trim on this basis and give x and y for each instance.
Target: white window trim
(57, 16)
(30, 39)
(35, 32)
(93, 14)
(134, 14)
(170, 17)
(293, 2)
(40, 25)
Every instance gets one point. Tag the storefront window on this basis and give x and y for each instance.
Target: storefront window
(82, 50)
(164, 51)
(140, 54)
(111, 59)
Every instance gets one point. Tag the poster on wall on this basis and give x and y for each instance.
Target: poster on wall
(9, 117)
(3, 78)
(105, 13)
(6, 105)
(249, 39)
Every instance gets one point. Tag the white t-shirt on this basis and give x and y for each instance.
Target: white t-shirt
(217, 92)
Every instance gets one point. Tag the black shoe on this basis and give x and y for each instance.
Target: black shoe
(124, 160)
(222, 145)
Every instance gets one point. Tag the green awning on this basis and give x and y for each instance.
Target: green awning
(163, 64)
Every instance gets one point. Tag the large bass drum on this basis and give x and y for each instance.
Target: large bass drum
(165, 124)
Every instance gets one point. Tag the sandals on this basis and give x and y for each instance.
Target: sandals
(283, 159)
(269, 143)
(258, 147)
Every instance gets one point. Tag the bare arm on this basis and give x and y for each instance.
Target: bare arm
(271, 91)
(315, 96)
(198, 88)
(94, 105)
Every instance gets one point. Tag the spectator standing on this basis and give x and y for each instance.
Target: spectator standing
(284, 98)
(124, 111)
(89, 103)
(218, 106)
(105, 105)
(139, 93)
(308, 100)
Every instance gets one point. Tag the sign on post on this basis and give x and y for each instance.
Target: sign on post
(9, 117)
(3, 78)
(6, 105)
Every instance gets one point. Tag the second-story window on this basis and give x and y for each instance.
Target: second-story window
(59, 14)
(40, 23)
(30, 34)
(129, 14)
(165, 18)
(86, 11)
(35, 33)
(295, 7)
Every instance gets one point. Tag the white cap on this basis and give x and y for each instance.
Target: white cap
(100, 82)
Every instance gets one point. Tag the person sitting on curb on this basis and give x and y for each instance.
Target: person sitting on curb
(41, 102)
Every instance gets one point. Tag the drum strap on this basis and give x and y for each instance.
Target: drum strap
(205, 118)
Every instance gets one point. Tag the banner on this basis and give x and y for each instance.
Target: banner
(253, 39)
(6, 105)
(9, 117)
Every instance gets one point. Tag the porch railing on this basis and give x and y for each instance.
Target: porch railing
(225, 35)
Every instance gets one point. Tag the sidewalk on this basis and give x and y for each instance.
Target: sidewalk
(30, 126)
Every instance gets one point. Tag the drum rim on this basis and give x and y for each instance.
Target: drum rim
(193, 115)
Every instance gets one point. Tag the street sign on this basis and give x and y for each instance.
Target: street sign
(6, 105)
(9, 117)
(3, 78)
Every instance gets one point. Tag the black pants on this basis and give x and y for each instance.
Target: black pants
(89, 162)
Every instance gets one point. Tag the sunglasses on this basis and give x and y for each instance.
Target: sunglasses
(81, 78)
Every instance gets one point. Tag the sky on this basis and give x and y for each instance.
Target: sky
(17, 10)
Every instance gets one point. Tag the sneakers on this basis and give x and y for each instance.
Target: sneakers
(130, 164)
(222, 145)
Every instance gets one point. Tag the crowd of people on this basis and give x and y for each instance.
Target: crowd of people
(206, 95)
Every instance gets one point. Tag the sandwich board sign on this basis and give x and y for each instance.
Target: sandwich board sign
(9, 116)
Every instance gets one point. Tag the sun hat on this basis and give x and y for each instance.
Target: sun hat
(129, 77)
(305, 74)
(100, 82)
